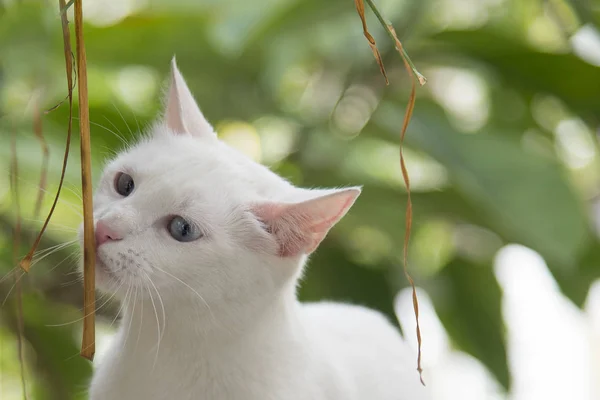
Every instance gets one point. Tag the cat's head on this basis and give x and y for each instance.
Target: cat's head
(183, 213)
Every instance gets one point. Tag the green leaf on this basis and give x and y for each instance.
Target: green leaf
(524, 197)
(566, 76)
(576, 284)
(331, 276)
(61, 373)
(470, 309)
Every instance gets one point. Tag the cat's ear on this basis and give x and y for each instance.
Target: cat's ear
(299, 228)
(182, 114)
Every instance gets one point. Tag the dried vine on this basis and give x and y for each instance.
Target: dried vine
(415, 76)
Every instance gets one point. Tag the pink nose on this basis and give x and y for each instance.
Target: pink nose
(105, 234)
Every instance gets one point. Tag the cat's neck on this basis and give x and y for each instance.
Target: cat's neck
(193, 327)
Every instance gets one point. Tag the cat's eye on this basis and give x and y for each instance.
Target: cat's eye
(183, 230)
(124, 184)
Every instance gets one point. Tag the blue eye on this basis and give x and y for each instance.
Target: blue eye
(124, 184)
(183, 231)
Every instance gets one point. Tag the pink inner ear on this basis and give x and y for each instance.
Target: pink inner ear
(182, 114)
(174, 113)
(289, 229)
(300, 227)
(321, 228)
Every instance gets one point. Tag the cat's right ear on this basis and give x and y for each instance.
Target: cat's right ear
(182, 115)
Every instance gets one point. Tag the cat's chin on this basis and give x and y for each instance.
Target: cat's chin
(104, 276)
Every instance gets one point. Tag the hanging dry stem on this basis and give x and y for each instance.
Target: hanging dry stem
(407, 116)
(39, 133)
(360, 8)
(413, 73)
(14, 183)
(25, 263)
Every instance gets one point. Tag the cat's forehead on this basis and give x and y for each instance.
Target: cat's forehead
(174, 157)
(186, 162)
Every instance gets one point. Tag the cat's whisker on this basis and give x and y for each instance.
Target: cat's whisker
(53, 226)
(78, 195)
(121, 138)
(108, 152)
(54, 247)
(16, 271)
(124, 303)
(131, 316)
(135, 118)
(9, 274)
(74, 257)
(125, 142)
(141, 324)
(191, 288)
(137, 123)
(102, 296)
(75, 272)
(40, 255)
(38, 259)
(72, 282)
(123, 118)
(158, 331)
(70, 205)
(85, 316)
(71, 257)
(162, 306)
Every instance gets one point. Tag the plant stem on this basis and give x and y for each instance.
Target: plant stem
(88, 347)
(388, 29)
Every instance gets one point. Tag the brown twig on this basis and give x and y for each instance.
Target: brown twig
(65, 7)
(39, 133)
(413, 73)
(389, 29)
(14, 178)
(89, 252)
(25, 263)
(74, 79)
(360, 8)
(407, 116)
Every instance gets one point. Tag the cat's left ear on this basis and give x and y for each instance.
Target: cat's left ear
(298, 228)
(182, 114)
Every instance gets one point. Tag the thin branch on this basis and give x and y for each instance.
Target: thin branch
(25, 263)
(39, 133)
(389, 29)
(412, 72)
(409, 214)
(360, 8)
(65, 7)
(89, 251)
(14, 175)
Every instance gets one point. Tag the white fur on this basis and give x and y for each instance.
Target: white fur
(218, 318)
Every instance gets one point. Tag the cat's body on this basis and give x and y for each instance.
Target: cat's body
(205, 248)
(324, 352)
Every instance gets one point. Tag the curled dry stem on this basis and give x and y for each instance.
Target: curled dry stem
(25, 263)
(415, 76)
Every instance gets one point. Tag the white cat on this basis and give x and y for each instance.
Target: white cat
(204, 248)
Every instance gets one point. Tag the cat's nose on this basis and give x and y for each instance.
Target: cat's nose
(105, 234)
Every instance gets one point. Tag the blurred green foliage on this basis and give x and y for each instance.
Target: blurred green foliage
(502, 146)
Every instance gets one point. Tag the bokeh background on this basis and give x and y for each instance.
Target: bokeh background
(502, 152)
